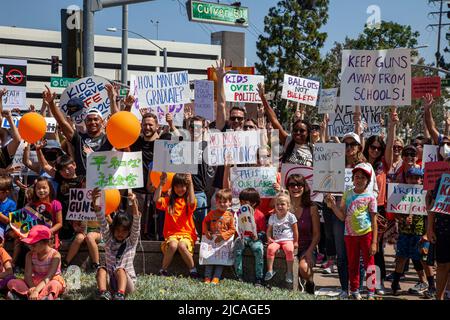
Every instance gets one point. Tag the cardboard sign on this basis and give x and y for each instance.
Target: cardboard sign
(18, 160)
(237, 70)
(177, 111)
(80, 205)
(433, 171)
(406, 199)
(442, 201)
(420, 86)
(376, 77)
(300, 90)
(328, 100)
(204, 99)
(176, 156)
(242, 88)
(288, 169)
(329, 167)
(160, 89)
(21, 221)
(51, 123)
(93, 93)
(430, 154)
(348, 183)
(114, 170)
(221, 253)
(233, 147)
(260, 178)
(13, 77)
(341, 122)
(246, 224)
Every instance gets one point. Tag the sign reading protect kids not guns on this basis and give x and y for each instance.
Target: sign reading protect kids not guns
(242, 88)
(376, 77)
(93, 93)
(406, 199)
(21, 221)
(114, 170)
(80, 205)
(300, 90)
(442, 201)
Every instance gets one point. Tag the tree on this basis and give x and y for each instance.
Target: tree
(292, 45)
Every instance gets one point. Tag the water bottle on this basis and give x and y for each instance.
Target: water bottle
(424, 249)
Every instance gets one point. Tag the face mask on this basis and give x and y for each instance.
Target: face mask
(444, 151)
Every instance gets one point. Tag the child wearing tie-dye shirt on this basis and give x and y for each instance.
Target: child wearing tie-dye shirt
(358, 209)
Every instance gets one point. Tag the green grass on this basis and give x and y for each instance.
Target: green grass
(152, 287)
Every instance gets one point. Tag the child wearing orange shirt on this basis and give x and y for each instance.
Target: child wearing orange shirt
(218, 224)
(179, 229)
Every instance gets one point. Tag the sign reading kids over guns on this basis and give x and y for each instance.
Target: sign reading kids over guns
(300, 90)
(376, 77)
(242, 88)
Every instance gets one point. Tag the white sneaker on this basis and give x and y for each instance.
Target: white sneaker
(356, 295)
(289, 277)
(331, 269)
(343, 295)
(419, 287)
(269, 275)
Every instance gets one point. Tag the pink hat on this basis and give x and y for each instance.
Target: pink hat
(364, 167)
(37, 233)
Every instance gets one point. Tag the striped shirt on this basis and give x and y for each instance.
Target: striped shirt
(41, 267)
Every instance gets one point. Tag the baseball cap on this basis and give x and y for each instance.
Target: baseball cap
(94, 111)
(37, 233)
(74, 105)
(52, 144)
(352, 135)
(365, 167)
(414, 171)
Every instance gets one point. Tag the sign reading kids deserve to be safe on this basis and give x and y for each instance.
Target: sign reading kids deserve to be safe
(242, 87)
(376, 77)
(300, 90)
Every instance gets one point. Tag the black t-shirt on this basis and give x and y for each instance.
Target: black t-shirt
(147, 148)
(79, 140)
(203, 180)
(5, 158)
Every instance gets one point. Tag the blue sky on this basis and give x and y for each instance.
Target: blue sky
(346, 18)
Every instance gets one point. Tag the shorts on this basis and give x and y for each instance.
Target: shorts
(187, 240)
(442, 248)
(408, 247)
(301, 252)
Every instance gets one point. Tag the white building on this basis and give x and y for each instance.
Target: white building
(35, 44)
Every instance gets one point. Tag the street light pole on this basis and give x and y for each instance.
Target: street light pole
(124, 67)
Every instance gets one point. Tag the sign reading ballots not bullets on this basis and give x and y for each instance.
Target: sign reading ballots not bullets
(300, 90)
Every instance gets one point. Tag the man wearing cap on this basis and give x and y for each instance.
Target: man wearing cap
(94, 139)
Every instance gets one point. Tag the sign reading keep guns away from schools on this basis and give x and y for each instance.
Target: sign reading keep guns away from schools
(376, 77)
(242, 88)
(300, 90)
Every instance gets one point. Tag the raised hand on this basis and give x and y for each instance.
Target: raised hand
(260, 89)
(220, 69)
(40, 144)
(111, 91)
(129, 100)
(163, 179)
(49, 96)
(428, 100)
(3, 92)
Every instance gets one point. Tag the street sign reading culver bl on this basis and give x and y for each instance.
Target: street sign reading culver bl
(59, 82)
(208, 12)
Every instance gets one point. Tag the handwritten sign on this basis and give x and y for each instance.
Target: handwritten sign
(348, 182)
(51, 123)
(260, 178)
(430, 154)
(177, 111)
(233, 147)
(80, 205)
(21, 221)
(221, 253)
(328, 100)
(329, 167)
(204, 99)
(406, 199)
(376, 77)
(300, 90)
(18, 160)
(246, 224)
(93, 93)
(422, 85)
(442, 201)
(288, 169)
(160, 89)
(176, 157)
(433, 171)
(242, 88)
(341, 122)
(114, 170)
(13, 77)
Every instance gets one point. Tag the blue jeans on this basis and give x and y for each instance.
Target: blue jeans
(200, 212)
(217, 271)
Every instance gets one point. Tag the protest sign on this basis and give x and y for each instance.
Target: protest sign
(288, 169)
(233, 147)
(328, 100)
(420, 86)
(204, 99)
(341, 122)
(246, 225)
(13, 77)
(21, 221)
(80, 205)
(406, 199)
(114, 170)
(300, 90)
(51, 123)
(260, 178)
(433, 171)
(177, 111)
(93, 93)
(211, 71)
(242, 88)
(442, 201)
(376, 77)
(221, 253)
(329, 167)
(18, 160)
(160, 89)
(430, 154)
(175, 156)
(348, 183)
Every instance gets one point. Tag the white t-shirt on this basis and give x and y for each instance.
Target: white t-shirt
(282, 228)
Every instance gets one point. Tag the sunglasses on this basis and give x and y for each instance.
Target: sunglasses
(351, 144)
(315, 128)
(249, 127)
(375, 148)
(298, 130)
(293, 185)
(397, 148)
(237, 118)
(447, 143)
(410, 154)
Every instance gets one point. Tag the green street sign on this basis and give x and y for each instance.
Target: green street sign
(59, 82)
(123, 92)
(445, 83)
(208, 12)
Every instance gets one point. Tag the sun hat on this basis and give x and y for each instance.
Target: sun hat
(37, 233)
(352, 135)
(364, 167)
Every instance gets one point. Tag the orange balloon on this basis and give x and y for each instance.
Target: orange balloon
(112, 200)
(32, 127)
(123, 129)
(155, 177)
